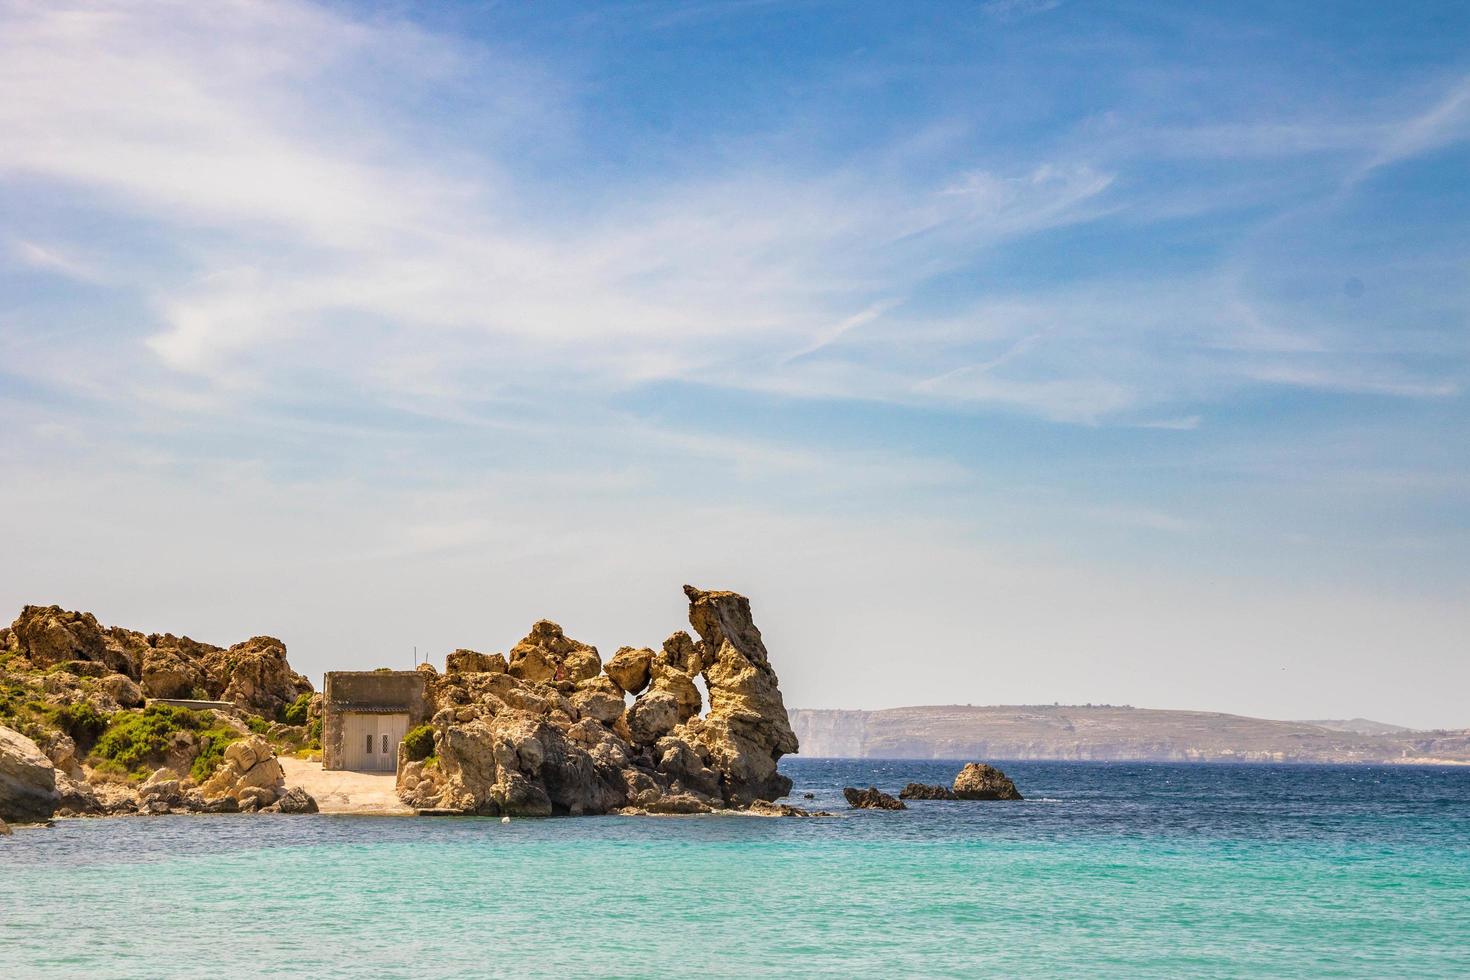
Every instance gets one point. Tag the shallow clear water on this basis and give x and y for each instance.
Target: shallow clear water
(1107, 869)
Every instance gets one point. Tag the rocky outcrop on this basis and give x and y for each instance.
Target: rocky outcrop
(547, 655)
(553, 734)
(919, 791)
(27, 780)
(977, 781)
(122, 666)
(871, 798)
(250, 775)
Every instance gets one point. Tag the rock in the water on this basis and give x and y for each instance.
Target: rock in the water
(919, 791)
(5, 830)
(27, 780)
(871, 798)
(297, 800)
(552, 735)
(747, 730)
(977, 781)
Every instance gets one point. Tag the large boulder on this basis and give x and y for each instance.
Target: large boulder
(978, 781)
(27, 780)
(250, 774)
(599, 698)
(48, 635)
(920, 791)
(168, 673)
(628, 668)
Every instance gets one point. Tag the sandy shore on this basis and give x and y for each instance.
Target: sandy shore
(346, 792)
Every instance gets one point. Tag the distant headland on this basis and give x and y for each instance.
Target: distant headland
(1112, 733)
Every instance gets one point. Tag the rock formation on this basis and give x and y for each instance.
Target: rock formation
(125, 665)
(977, 781)
(250, 775)
(547, 731)
(871, 798)
(27, 780)
(919, 791)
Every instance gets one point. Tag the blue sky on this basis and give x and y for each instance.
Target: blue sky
(1002, 352)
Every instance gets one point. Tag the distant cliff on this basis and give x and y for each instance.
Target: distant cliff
(1104, 733)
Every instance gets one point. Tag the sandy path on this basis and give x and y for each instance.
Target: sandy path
(339, 791)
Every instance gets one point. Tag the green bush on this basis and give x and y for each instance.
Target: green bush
(419, 742)
(138, 740)
(295, 713)
(83, 722)
(212, 745)
(257, 724)
(314, 734)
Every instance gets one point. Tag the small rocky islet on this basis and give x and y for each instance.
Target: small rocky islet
(976, 781)
(546, 730)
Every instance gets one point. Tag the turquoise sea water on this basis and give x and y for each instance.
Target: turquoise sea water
(1122, 870)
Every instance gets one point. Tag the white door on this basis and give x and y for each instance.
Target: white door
(370, 741)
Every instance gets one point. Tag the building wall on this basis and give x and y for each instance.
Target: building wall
(358, 690)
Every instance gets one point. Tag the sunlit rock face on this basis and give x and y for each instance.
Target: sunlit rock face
(550, 733)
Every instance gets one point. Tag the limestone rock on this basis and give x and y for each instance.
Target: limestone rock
(123, 689)
(548, 655)
(673, 681)
(5, 830)
(168, 673)
(47, 635)
(978, 781)
(629, 668)
(255, 675)
(471, 662)
(598, 697)
(652, 716)
(747, 730)
(27, 780)
(871, 799)
(250, 771)
(919, 791)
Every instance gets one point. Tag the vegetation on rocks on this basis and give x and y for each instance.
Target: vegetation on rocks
(137, 742)
(296, 712)
(418, 743)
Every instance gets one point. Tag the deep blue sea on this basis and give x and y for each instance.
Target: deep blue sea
(1129, 870)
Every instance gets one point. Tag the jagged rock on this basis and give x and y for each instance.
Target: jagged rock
(297, 800)
(550, 734)
(629, 668)
(5, 830)
(254, 675)
(27, 780)
(123, 689)
(919, 791)
(652, 716)
(761, 808)
(978, 781)
(598, 697)
(62, 751)
(167, 673)
(678, 803)
(681, 651)
(671, 680)
(871, 799)
(471, 662)
(47, 635)
(746, 731)
(548, 655)
(250, 771)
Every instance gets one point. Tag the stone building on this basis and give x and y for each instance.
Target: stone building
(365, 714)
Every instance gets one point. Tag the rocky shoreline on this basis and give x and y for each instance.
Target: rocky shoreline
(546, 730)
